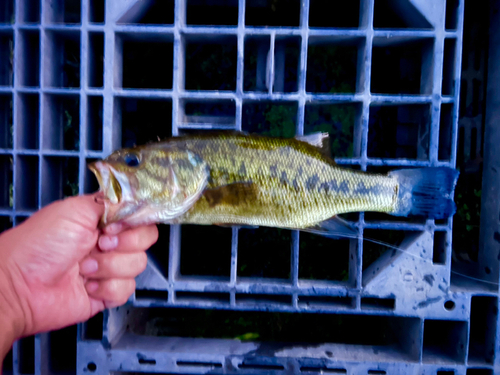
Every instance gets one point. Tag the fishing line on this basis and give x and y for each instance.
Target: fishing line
(378, 242)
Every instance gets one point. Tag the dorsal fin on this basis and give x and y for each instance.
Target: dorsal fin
(319, 139)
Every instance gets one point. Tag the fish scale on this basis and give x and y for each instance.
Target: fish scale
(297, 186)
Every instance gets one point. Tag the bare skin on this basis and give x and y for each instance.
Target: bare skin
(57, 268)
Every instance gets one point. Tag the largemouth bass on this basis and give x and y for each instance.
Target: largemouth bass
(252, 180)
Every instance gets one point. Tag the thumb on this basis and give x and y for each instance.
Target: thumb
(84, 209)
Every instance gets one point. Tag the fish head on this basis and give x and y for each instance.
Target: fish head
(149, 184)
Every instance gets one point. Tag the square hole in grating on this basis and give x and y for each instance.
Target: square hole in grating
(6, 181)
(20, 219)
(339, 121)
(322, 258)
(451, 14)
(64, 11)
(444, 341)
(209, 112)
(29, 11)
(210, 258)
(319, 301)
(97, 11)
(398, 14)
(29, 70)
(272, 13)
(479, 371)
(466, 223)
(92, 328)
(62, 122)
(286, 64)
(6, 121)
(159, 252)
(399, 131)
(96, 59)
(322, 13)
(212, 12)
(264, 252)
(484, 312)
(277, 119)
(63, 49)
(5, 223)
(402, 66)
(90, 181)
(94, 123)
(28, 121)
(311, 329)
(147, 62)
(59, 178)
(448, 86)
(151, 12)
(160, 296)
(8, 360)
(445, 132)
(385, 240)
(143, 120)
(6, 59)
(332, 66)
(210, 63)
(255, 74)
(26, 355)
(7, 14)
(62, 361)
(27, 182)
(439, 247)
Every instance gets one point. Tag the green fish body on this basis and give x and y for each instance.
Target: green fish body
(261, 181)
(284, 183)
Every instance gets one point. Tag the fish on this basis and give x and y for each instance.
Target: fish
(240, 179)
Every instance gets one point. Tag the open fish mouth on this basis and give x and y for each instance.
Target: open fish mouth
(109, 184)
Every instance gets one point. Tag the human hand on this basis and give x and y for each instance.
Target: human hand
(57, 268)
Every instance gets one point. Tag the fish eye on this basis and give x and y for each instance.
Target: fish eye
(132, 160)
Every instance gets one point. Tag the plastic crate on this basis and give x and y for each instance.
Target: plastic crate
(393, 91)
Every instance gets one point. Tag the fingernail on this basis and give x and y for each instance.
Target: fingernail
(89, 266)
(92, 286)
(113, 228)
(107, 243)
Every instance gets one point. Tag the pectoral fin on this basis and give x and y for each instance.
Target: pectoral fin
(233, 194)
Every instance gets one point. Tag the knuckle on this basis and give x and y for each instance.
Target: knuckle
(112, 289)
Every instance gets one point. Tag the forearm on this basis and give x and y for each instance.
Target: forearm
(7, 338)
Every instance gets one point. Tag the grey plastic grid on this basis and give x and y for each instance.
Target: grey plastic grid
(420, 316)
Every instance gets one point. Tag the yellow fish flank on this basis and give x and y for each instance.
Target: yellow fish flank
(281, 183)
(242, 179)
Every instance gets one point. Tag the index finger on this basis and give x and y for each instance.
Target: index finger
(131, 240)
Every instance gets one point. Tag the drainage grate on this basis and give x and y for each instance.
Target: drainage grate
(381, 76)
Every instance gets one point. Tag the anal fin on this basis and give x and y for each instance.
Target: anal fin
(333, 228)
(239, 226)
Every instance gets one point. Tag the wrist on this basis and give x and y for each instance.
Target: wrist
(12, 322)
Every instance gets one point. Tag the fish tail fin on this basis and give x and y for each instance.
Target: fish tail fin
(426, 192)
